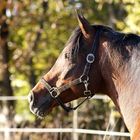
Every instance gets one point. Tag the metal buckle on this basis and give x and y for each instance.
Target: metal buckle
(54, 92)
(84, 78)
(90, 58)
(87, 93)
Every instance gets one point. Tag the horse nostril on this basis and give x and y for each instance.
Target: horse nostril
(31, 97)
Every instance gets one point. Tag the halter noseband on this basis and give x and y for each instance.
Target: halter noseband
(84, 78)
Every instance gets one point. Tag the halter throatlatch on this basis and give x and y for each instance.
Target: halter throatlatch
(83, 79)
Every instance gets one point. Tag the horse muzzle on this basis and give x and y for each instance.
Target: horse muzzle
(40, 106)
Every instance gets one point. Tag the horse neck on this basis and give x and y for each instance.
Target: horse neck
(123, 86)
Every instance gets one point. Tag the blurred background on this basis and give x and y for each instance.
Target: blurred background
(32, 35)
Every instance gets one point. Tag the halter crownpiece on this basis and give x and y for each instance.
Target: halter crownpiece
(83, 79)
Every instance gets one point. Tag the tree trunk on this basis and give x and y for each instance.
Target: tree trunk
(6, 82)
(32, 76)
(8, 106)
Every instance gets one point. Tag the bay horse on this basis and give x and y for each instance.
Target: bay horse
(96, 59)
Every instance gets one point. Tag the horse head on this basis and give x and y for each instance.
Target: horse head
(75, 74)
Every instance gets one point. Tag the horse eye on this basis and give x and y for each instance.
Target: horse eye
(66, 56)
(73, 51)
(71, 55)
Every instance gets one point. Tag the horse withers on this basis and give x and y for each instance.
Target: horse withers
(96, 59)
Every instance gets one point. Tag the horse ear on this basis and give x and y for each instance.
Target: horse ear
(84, 25)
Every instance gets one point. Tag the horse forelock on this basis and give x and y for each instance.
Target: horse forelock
(74, 36)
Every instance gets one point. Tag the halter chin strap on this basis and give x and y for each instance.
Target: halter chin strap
(83, 79)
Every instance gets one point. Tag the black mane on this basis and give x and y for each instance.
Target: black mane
(123, 43)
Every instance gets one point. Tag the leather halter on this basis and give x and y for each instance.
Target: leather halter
(83, 79)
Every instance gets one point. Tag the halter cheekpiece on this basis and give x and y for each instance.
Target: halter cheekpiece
(83, 79)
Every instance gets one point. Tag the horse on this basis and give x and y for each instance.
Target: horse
(96, 59)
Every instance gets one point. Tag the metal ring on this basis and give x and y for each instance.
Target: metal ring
(54, 92)
(87, 93)
(90, 58)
